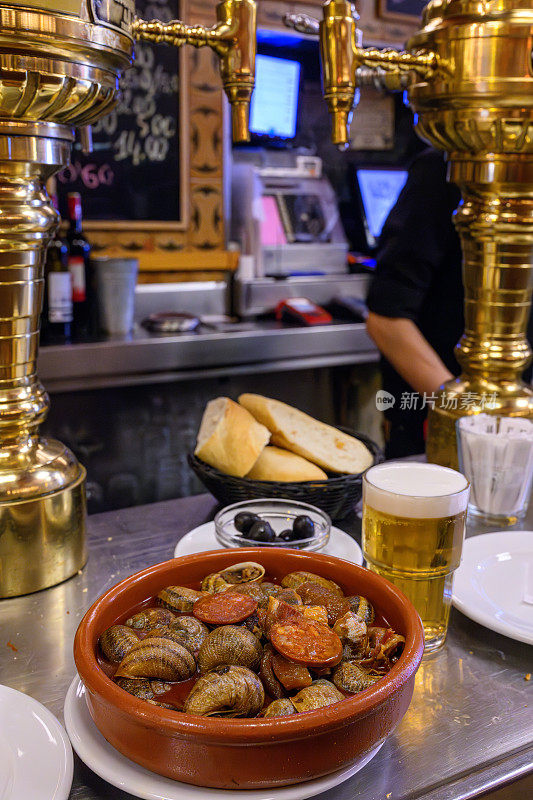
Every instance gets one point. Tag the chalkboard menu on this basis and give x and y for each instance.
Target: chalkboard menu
(133, 173)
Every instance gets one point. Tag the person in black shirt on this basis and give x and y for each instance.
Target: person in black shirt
(415, 302)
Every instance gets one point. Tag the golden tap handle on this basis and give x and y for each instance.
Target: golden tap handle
(345, 64)
(233, 38)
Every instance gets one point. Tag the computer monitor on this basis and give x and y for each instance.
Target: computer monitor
(379, 190)
(274, 106)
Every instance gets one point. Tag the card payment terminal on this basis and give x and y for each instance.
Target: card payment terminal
(302, 311)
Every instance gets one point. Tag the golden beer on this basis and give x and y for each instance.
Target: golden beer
(413, 529)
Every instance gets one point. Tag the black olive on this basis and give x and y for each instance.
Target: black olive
(303, 527)
(261, 531)
(288, 535)
(244, 520)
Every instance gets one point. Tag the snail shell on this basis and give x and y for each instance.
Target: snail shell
(150, 618)
(253, 590)
(279, 708)
(178, 598)
(351, 678)
(157, 658)
(245, 572)
(192, 631)
(188, 631)
(321, 693)
(282, 593)
(294, 579)
(143, 688)
(362, 608)
(230, 644)
(231, 691)
(116, 641)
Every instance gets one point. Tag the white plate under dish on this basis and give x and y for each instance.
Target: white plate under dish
(36, 760)
(118, 770)
(490, 584)
(203, 538)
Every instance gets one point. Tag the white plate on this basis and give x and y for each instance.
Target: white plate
(118, 770)
(490, 584)
(203, 538)
(35, 754)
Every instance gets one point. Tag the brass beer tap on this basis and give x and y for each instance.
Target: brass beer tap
(469, 77)
(233, 40)
(60, 61)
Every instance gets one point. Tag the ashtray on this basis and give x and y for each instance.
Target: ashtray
(280, 515)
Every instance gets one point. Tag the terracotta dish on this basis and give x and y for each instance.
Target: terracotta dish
(248, 753)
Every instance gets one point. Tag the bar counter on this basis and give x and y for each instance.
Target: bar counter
(469, 728)
(231, 349)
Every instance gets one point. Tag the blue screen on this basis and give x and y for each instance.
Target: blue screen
(275, 98)
(379, 191)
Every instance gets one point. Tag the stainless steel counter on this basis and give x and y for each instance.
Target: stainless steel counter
(469, 727)
(248, 347)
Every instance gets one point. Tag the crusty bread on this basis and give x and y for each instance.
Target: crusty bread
(320, 443)
(229, 438)
(275, 464)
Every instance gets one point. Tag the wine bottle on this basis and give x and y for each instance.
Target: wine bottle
(56, 319)
(79, 251)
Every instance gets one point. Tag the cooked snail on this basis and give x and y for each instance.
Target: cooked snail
(350, 677)
(230, 644)
(157, 658)
(178, 598)
(320, 693)
(246, 572)
(116, 641)
(294, 579)
(188, 631)
(279, 708)
(150, 618)
(230, 691)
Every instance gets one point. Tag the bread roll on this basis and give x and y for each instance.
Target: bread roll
(275, 464)
(229, 438)
(298, 432)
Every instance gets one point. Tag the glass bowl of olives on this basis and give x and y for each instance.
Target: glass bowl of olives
(272, 523)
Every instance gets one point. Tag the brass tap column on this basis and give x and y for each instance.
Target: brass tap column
(469, 76)
(60, 61)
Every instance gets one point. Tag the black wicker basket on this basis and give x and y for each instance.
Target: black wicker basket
(337, 495)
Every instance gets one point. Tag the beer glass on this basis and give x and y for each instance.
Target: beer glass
(413, 529)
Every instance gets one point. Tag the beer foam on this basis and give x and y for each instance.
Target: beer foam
(415, 490)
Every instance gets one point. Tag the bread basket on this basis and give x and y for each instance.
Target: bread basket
(337, 495)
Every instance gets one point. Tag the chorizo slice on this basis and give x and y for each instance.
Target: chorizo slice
(290, 675)
(224, 608)
(307, 642)
(278, 611)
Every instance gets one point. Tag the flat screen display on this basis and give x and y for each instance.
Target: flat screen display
(275, 98)
(379, 191)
